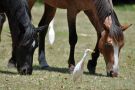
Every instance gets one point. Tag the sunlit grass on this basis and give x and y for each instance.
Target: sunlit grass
(57, 77)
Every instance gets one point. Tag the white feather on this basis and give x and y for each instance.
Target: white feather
(51, 32)
(78, 70)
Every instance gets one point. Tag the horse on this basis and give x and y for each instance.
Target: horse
(51, 34)
(24, 34)
(110, 37)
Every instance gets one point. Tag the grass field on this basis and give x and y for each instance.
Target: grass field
(57, 77)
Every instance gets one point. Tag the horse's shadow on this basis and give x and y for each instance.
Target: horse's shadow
(52, 69)
(96, 74)
(64, 70)
(8, 72)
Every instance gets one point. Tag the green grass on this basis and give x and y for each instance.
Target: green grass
(57, 77)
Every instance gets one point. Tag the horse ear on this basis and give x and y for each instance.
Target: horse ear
(124, 27)
(106, 28)
(41, 28)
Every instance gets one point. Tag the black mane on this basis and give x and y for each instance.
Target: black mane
(18, 12)
(105, 9)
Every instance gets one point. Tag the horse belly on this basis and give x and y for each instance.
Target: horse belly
(57, 3)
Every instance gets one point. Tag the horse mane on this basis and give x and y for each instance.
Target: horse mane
(27, 36)
(23, 17)
(116, 33)
(105, 9)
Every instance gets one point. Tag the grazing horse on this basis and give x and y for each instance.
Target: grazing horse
(23, 33)
(42, 63)
(110, 38)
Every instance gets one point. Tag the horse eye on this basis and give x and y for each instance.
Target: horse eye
(108, 45)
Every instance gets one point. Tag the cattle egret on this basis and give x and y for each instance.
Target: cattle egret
(78, 70)
(51, 32)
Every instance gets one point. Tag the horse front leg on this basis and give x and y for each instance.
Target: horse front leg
(95, 21)
(2, 20)
(46, 19)
(71, 15)
(31, 3)
(15, 40)
(93, 63)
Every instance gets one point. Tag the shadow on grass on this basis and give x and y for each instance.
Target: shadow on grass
(96, 74)
(7, 72)
(63, 70)
(52, 69)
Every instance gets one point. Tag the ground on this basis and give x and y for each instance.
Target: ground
(57, 76)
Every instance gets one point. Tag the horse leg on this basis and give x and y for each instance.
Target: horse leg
(95, 21)
(15, 39)
(46, 19)
(2, 20)
(71, 15)
(31, 3)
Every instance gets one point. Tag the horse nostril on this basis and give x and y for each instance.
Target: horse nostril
(26, 71)
(112, 74)
(23, 71)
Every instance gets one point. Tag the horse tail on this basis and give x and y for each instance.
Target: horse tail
(51, 33)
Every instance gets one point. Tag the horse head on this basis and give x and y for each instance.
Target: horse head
(26, 48)
(110, 44)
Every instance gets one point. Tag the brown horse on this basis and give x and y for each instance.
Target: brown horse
(110, 38)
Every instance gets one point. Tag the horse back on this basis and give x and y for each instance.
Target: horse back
(72, 4)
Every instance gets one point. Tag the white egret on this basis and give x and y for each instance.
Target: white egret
(78, 70)
(51, 33)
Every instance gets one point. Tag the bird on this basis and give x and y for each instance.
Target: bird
(51, 33)
(78, 70)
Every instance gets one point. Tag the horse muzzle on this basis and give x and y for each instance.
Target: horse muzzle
(25, 70)
(112, 74)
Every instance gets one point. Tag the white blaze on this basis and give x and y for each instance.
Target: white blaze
(34, 43)
(116, 58)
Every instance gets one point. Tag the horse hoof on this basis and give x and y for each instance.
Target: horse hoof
(43, 64)
(11, 65)
(91, 67)
(44, 67)
(112, 74)
(71, 69)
